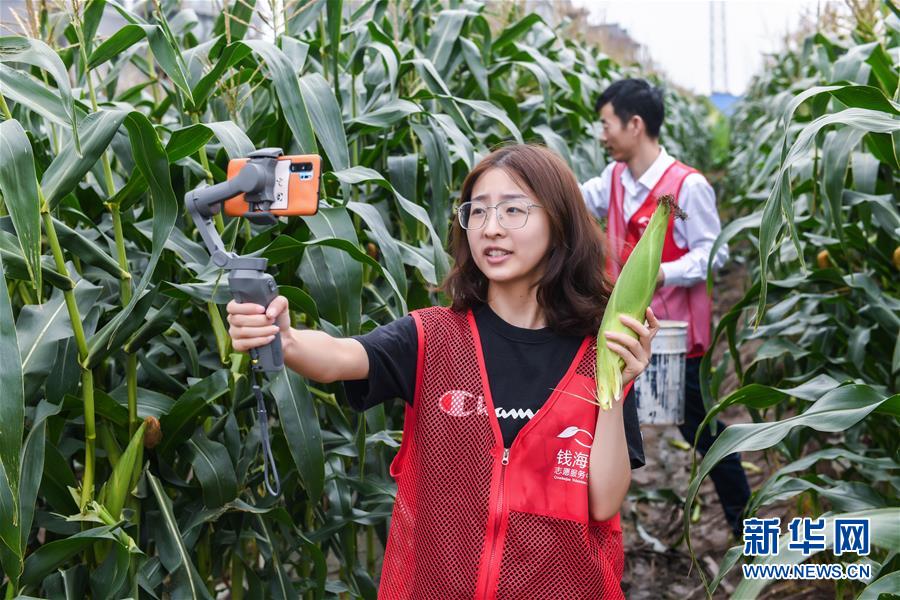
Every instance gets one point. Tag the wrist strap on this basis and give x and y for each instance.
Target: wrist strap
(273, 483)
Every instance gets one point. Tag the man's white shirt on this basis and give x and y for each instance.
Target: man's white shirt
(697, 198)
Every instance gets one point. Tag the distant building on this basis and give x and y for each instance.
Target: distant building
(611, 38)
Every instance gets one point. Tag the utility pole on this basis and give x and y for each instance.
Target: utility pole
(718, 50)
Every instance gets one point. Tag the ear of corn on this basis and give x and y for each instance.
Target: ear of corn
(115, 490)
(631, 296)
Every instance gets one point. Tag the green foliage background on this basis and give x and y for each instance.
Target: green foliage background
(118, 316)
(110, 314)
(815, 341)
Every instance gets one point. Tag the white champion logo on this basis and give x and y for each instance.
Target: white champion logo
(516, 413)
(459, 403)
(572, 432)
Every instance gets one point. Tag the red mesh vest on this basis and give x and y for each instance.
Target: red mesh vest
(691, 304)
(472, 520)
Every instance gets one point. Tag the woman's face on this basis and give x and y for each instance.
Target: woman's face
(507, 255)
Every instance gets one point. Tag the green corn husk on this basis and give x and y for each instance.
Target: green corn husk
(115, 491)
(631, 296)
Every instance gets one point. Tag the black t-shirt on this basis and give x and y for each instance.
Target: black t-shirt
(523, 366)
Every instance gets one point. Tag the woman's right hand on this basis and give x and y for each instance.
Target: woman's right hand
(253, 325)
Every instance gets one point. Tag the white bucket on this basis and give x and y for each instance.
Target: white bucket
(659, 390)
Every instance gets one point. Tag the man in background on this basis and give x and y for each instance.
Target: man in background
(631, 112)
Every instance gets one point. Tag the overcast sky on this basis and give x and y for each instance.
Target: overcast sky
(677, 33)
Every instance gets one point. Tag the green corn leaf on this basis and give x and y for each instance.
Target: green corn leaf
(395, 271)
(287, 88)
(188, 140)
(31, 463)
(111, 337)
(444, 36)
(178, 424)
(117, 488)
(37, 53)
(356, 175)
(334, 10)
(388, 114)
(333, 277)
(32, 93)
(235, 19)
(164, 52)
(214, 470)
(300, 425)
(67, 169)
(439, 171)
(17, 269)
(515, 31)
(837, 410)
(40, 326)
(778, 211)
(325, 114)
(174, 554)
(12, 417)
(18, 184)
(152, 161)
(108, 580)
(49, 556)
(760, 396)
(300, 301)
(885, 585)
(87, 250)
(230, 56)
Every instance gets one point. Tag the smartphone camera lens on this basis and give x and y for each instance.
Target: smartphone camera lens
(304, 170)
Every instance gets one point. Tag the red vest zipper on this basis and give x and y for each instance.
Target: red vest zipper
(498, 517)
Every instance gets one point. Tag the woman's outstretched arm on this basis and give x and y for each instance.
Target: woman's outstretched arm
(314, 354)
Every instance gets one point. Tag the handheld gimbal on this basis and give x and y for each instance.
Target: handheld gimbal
(259, 182)
(247, 275)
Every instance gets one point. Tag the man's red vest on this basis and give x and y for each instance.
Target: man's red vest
(691, 304)
(475, 520)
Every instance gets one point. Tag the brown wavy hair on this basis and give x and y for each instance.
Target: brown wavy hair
(573, 290)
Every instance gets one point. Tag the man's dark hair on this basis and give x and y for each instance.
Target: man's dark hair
(631, 97)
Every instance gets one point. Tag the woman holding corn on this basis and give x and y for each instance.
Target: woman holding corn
(509, 483)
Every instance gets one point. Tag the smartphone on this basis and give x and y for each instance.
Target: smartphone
(296, 186)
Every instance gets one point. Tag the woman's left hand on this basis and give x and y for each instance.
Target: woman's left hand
(635, 352)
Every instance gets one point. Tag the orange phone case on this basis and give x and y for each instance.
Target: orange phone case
(303, 195)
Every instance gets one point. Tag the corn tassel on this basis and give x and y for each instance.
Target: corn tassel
(631, 296)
